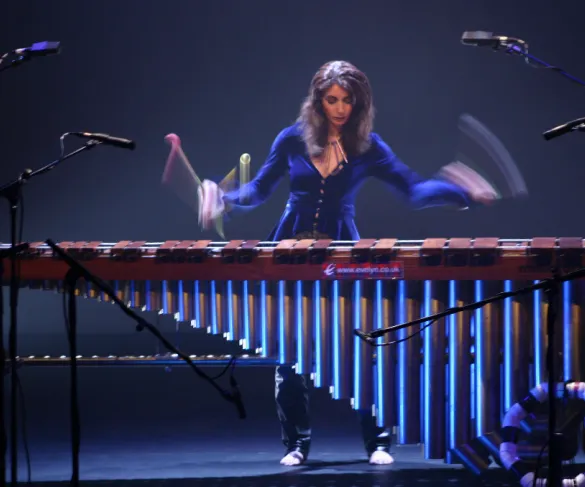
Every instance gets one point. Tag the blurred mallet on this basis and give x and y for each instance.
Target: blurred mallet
(187, 182)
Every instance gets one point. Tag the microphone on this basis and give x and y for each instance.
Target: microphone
(565, 128)
(480, 38)
(107, 139)
(45, 48)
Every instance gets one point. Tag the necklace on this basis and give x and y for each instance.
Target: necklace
(333, 150)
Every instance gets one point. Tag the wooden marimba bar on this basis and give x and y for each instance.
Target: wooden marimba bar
(299, 302)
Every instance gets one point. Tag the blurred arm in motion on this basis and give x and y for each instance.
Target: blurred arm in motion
(457, 185)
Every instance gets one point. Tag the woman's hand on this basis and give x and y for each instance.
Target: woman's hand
(478, 188)
(211, 204)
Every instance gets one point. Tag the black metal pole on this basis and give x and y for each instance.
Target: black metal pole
(3, 439)
(12, 339)
(4, 370)
(71, 279)
(554, 439)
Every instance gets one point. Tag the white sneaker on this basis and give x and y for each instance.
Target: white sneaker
(381, 457)
(292, 459)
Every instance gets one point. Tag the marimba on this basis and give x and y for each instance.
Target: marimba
(299, 301)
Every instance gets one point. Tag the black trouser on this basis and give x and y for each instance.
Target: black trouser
(292, 403)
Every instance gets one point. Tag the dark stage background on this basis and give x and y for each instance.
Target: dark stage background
(228, 76)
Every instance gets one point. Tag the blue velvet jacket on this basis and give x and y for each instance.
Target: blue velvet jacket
(326, 205)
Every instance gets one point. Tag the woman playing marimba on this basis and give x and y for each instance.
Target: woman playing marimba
(329, 153)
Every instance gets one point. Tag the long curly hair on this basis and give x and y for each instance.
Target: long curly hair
(356, 131)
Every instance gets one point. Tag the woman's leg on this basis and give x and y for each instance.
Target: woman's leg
(377, 440)
(292, 405)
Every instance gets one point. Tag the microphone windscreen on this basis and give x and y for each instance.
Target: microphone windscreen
(477, 38)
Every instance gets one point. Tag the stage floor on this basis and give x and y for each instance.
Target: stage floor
(250, 464)
(153, 426)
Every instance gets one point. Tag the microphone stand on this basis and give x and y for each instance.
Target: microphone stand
(4, 253)
(17, 62)
(12, 192)
(516, 49)
(575, 125)
(555, 438)
(78, 271)
(551, 288)
(71, 320)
